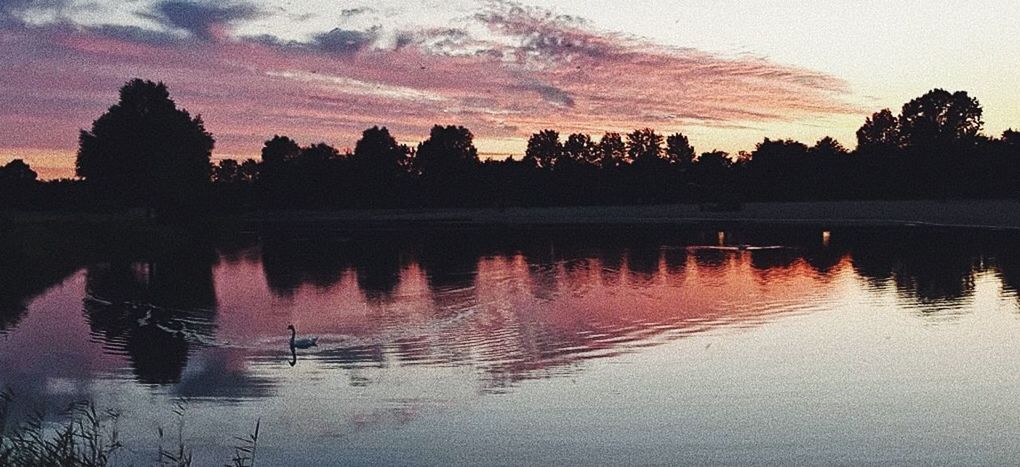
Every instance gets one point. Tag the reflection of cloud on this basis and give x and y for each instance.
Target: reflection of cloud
(220, 374)
(530, 68)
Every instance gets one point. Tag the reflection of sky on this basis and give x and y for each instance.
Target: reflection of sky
(655, 354)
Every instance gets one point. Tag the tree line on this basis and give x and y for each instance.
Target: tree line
(146, 152)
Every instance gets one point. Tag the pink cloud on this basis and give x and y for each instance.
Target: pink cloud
(515, 71)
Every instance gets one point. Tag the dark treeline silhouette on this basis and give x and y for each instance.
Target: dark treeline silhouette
(145, 152)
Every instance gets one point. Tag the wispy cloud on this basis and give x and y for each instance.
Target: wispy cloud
(505, 72)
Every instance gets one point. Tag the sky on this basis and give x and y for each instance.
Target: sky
(725, 73)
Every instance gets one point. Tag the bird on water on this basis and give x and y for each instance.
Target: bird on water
(302, 343)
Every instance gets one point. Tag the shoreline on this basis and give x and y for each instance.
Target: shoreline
(962, 214)
(986, 215)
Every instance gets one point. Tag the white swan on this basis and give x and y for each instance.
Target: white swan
(302, 343)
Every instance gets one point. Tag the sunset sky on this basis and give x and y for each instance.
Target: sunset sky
(726, 73)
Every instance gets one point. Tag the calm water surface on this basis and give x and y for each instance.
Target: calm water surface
(586, 346)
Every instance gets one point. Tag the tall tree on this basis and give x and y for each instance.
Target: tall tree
(828, 149)
(679, 151)
(279, 150)
(612, 151)
(17, 171)
(379, 154)
(144, 149)
(580, 149)
(317, 156)
(644, 146)
(226, 172)
(17, 187)
(940, 117)
(544, 149)
(712, 168)
(248, 172)
(880, 130)
(449, 150)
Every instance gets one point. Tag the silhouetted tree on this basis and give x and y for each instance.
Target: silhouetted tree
(828, 149)
(379, 154)
(17, 171)
(679, 151)
(317, 156)
(276, 171)
(881, 130)
(940, 118)
(279, 150)
(17, 186)
(612, 151)
(644, 146)
(1011, 137)
(448, 149)
(248, 172)
(544, 149)
(444, 162)
(580, 150)
(227, 171)
(780, 169)
(712, 168)
(380, 165)
(144, 149)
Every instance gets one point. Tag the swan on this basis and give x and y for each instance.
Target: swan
(302, 343)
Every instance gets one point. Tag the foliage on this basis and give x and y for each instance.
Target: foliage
(145, 150)
(679, 150)
(579, 149)
(544, 149)
(933, 149)
(644, 146)
(90, 438)
(448, 150)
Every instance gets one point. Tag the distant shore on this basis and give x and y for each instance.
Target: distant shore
(976, 214)
(982, 214)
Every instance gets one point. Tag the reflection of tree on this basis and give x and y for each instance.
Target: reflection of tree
(773, 262)
(290, 262)
(710, 259)
(676, 260)
(378, 265)
(611, 258)
(22, 278)
(926, 266)
(936, 277)
(541, 259)
(1008, 265)
(643, 262)
(823, 260)
(450, 265)
(32, 261)
(154, 311)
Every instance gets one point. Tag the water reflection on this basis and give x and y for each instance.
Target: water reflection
(931, 271)
(153, 311)
(515, 305)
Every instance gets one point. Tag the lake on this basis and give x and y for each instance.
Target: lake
(531, 345)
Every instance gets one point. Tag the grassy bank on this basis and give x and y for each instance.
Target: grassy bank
(996, 214)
